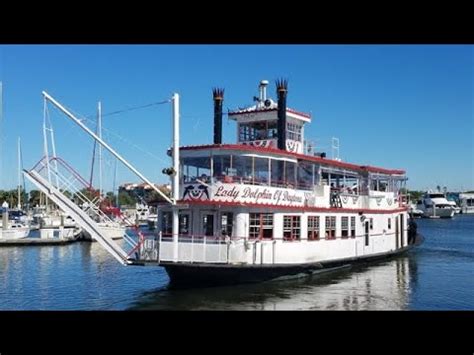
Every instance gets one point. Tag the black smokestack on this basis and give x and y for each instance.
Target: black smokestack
(282, 90)
(218, 95)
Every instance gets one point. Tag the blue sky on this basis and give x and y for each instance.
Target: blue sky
(393, 106)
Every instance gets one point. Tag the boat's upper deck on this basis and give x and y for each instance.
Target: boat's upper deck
(270, 164)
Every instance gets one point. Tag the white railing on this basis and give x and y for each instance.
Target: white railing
(191, 249)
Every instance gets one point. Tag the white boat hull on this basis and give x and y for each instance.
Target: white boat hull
(14, 233)
(438, 213)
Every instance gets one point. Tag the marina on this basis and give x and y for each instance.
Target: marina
(233, 203)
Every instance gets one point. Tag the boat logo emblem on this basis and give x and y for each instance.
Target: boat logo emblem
(195, 192)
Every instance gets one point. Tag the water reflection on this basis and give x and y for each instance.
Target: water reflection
(382, 286)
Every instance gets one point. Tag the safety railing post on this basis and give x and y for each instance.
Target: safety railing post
(159, 246)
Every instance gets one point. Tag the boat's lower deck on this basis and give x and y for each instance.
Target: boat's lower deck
(200, 274)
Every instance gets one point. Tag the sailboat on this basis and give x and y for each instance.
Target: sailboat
(9, 229)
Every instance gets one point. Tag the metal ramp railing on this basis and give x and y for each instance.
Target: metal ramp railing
(80, 216)
(68, 179)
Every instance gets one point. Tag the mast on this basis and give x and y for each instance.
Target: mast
(19, 174)
(99, 119)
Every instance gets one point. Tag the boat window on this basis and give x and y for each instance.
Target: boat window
(291, 227)
(223, 170)
(261, 171)
(208, 224)
(254, 131)
(313, 227)
(184, 224)
(283, 174)
(244, 168)
(330, 227)
(227, 223)
(389, 223)
(293, 131)
(353, 227)
(167, 223)
(305, 176)
(344, 227)
(371, 223)
(196, 168)
(277, 169)
(436, 196)
(261, 226)
(272, 129)
(290, 175)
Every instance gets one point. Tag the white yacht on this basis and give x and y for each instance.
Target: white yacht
(466, 200)
(435, 205)
(414, 212)
(454, 206)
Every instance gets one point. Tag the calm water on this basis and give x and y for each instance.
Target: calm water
(439, 275)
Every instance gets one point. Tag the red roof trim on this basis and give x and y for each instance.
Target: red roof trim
(244, 111)
(319, 160)
(298, 208)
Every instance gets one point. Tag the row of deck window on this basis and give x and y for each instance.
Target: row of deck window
(262, 130)
(243, 169)
(261, 226)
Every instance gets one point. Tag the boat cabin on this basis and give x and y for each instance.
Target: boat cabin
(270, 186)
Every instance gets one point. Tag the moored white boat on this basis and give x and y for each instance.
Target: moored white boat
(435, 205)
(466, 201)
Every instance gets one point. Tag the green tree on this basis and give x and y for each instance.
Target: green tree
(34, 197)
(125, 199)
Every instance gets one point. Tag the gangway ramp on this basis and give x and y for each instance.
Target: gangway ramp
(81, 217)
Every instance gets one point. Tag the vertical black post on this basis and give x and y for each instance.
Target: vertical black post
(282, 90)
(218, 95)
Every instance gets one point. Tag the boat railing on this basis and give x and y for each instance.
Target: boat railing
(67, 179)
(192, 248)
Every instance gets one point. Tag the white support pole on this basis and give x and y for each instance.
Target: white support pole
(99, 123)
(19, 174)
(105, 145)
(175, 177)
(53, 147)
(45, 141)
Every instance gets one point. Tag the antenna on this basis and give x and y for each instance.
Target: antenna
(335, 148)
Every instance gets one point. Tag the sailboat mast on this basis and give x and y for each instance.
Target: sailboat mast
(99, 113)
(19, 174)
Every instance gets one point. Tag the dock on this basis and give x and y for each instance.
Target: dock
(35, 241)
